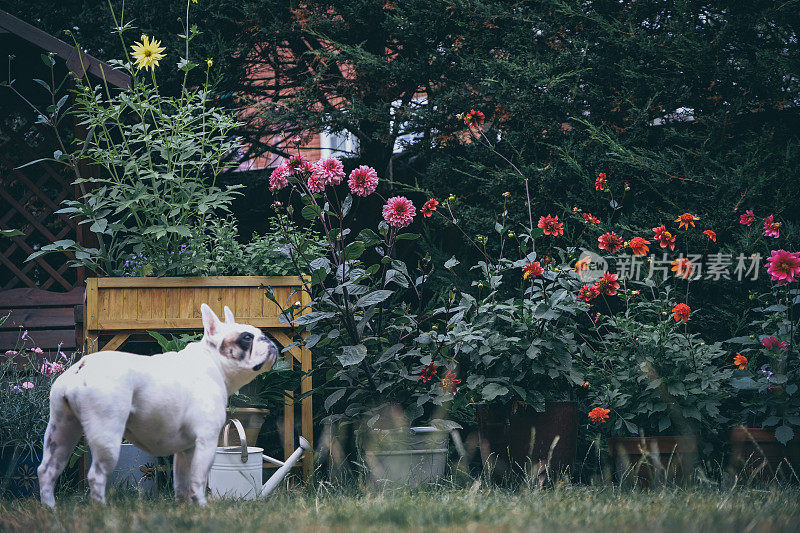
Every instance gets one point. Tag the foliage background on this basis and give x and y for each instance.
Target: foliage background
(693, 104)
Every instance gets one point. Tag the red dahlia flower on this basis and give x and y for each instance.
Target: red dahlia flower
(686, 219)
(474, 119)
(681, 312)
(429, 207)
(600, 182)
(639, 246)
(610, 242)
(532, 269)
(664, 238)
(747, 218)
(599, 415)
(428, 372)
(607, 285)
(551, 225)
(588, 217)
(783, 266)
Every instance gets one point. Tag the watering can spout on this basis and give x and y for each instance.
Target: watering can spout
(276, 478)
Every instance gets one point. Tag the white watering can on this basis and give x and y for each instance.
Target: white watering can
(236, 471)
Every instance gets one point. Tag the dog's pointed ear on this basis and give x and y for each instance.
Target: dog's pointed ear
(211, 322)
(229, 316)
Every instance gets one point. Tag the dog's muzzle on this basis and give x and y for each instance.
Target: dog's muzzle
(258, 367)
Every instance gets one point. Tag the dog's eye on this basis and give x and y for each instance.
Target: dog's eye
(245, 340)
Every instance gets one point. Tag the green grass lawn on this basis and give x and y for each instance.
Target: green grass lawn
(567, 508)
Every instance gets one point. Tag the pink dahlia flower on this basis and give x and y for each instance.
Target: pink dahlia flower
(316, 183)
(363, 181)
(773, 342)
(277, 180)
(330, 170)
(747, 218)
(399, 211)
(783, 266)
(771, 228)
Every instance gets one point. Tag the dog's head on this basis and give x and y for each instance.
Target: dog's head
(243, 348)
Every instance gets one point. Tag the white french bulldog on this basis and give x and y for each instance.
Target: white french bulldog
(172, 403)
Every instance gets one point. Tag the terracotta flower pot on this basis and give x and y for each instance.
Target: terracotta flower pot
(517, 439)
(646, 461)
(756, 452)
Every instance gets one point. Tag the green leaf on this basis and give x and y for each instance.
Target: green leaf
(492, 391)
(784, 434)
(352, 355)
(408, 236)
(346, 205)
(354, 250)
(373, 298)
(450, 263)
(445, 425)
(334, 397)
(744, 383)
(311, 212)
(10, 232)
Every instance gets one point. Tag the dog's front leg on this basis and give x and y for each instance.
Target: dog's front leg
(181, 474)
(202, 458)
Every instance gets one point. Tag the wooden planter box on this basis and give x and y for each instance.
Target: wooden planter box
(121, 309)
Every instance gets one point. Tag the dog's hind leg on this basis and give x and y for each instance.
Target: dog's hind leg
(104, 436)
(60, 438)
(181, 474)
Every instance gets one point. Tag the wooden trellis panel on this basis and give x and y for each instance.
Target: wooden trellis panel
(29, 198)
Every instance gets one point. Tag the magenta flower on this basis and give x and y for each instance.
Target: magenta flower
(296, 162)
(783, 266)
(747, 218)
(773, 342)
(49, 368)
(399, 211)
(316, 183)
(771, 228)
(11, 352)
(363, 181)
(330, 170)
(25, 334)
(27, 385)
(277, 180)
(38, 350)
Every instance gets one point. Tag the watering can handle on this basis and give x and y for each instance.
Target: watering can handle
(242, 437)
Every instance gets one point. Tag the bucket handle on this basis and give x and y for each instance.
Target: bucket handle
(242, 436)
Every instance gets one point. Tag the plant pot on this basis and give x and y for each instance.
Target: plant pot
(647, 461)
(252, 418)
(517, 439)
(409, 457)
(756, 452)
(135, 470)
(18, 478)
